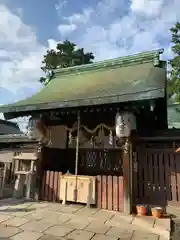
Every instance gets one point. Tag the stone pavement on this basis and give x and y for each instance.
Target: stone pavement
(53, 221)
(175, 222)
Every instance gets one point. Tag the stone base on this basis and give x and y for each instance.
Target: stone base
(175, 223)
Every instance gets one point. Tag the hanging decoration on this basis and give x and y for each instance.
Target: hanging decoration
(96, 135)
(92, 140)
(126, 146)
(110, 138)
(70, 137)
(125, 122)
(91, 131)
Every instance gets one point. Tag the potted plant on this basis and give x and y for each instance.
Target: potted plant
(141, 210)
(157, 212)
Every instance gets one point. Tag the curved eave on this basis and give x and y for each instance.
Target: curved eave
(114, 85)
(138, 96)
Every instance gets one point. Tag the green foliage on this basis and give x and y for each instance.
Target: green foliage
(65, 55)
(174, 83)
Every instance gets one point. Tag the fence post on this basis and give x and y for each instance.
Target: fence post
(3, 179)
(127, 177)
(39, 171)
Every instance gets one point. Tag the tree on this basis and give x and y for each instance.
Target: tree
(174, 83)
(65, 55)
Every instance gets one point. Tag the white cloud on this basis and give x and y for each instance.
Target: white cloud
(20, 59)
(105, 7)
(83, 17)
(20, 52)
(66, 29)
(116, 28)
(20, 56)
(52, 43)
(149, 8)
(60, 6)
(12, 29)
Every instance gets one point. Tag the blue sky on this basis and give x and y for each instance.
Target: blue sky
(108, 28)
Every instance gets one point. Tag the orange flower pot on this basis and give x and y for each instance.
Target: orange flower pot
(141, 210)
(157, 212)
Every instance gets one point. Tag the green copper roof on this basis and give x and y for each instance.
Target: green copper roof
(131, 78)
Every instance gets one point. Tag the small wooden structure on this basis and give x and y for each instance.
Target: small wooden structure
(85, 186)
(5, 169)
(10, 146)
(75, 115)
(25, 171)
(7, 128)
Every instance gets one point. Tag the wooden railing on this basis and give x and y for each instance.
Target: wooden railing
(110, 193)
(51, 186)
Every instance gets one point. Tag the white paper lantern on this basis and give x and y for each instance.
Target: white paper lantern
(125, 122)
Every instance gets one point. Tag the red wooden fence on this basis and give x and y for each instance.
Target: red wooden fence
(51, 186)
(110, 193)
(109, 190)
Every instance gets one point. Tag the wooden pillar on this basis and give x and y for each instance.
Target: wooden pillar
(77, 143)
(127, 176)
(77, 155)
(3, 180)
(39, 171)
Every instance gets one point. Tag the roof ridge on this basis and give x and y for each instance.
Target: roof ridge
(147, 56)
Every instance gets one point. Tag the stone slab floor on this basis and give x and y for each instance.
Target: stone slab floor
(53, 221)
